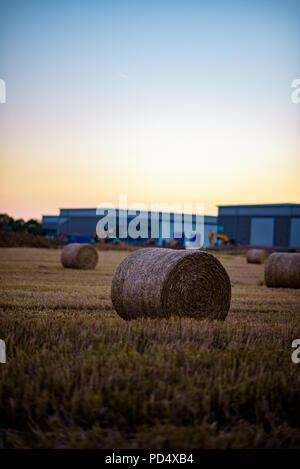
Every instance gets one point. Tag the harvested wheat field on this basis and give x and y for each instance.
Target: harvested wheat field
(79, 376)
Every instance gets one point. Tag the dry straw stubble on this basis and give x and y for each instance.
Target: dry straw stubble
(158, 282)
(79, 256)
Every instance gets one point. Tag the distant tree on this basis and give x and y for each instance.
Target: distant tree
(5, 220)
(31, 226)
(18, 225)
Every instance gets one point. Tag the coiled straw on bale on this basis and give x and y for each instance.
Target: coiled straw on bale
(158, 282)
(256, 256)
(282, 269)
(79, 256)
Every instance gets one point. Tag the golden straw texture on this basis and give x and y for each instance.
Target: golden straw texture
(158, 282)
(256, 256)
(282, 269)
(79, 256)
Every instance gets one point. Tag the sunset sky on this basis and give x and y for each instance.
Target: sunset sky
(164, 101)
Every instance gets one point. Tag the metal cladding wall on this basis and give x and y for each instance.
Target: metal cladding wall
(282, 231)
(85, 226)
(241, 222)
(49, 224)
(295, 232)
(229, 224)
(243, 229)
(83, 222)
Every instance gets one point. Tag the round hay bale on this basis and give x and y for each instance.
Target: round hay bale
(79, 256)
(158, 282)
(257, 256)
(282, 269)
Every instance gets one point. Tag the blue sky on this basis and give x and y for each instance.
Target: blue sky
(164, 101)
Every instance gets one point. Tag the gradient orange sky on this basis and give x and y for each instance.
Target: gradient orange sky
(184, 104)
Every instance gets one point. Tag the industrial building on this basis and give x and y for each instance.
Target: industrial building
(79, 225)
(257, 225)
(262, 225)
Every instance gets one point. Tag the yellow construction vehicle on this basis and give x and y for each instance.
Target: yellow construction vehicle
(175, 243)
(221, 236)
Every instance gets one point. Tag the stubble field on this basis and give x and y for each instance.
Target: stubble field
(78, 376)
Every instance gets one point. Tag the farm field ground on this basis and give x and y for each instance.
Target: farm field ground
(78, 376)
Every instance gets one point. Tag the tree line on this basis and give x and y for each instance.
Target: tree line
(8, 223)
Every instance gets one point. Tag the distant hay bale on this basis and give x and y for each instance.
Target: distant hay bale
(79, 256)
(256, 256)
(282, 269)
(158, 282)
